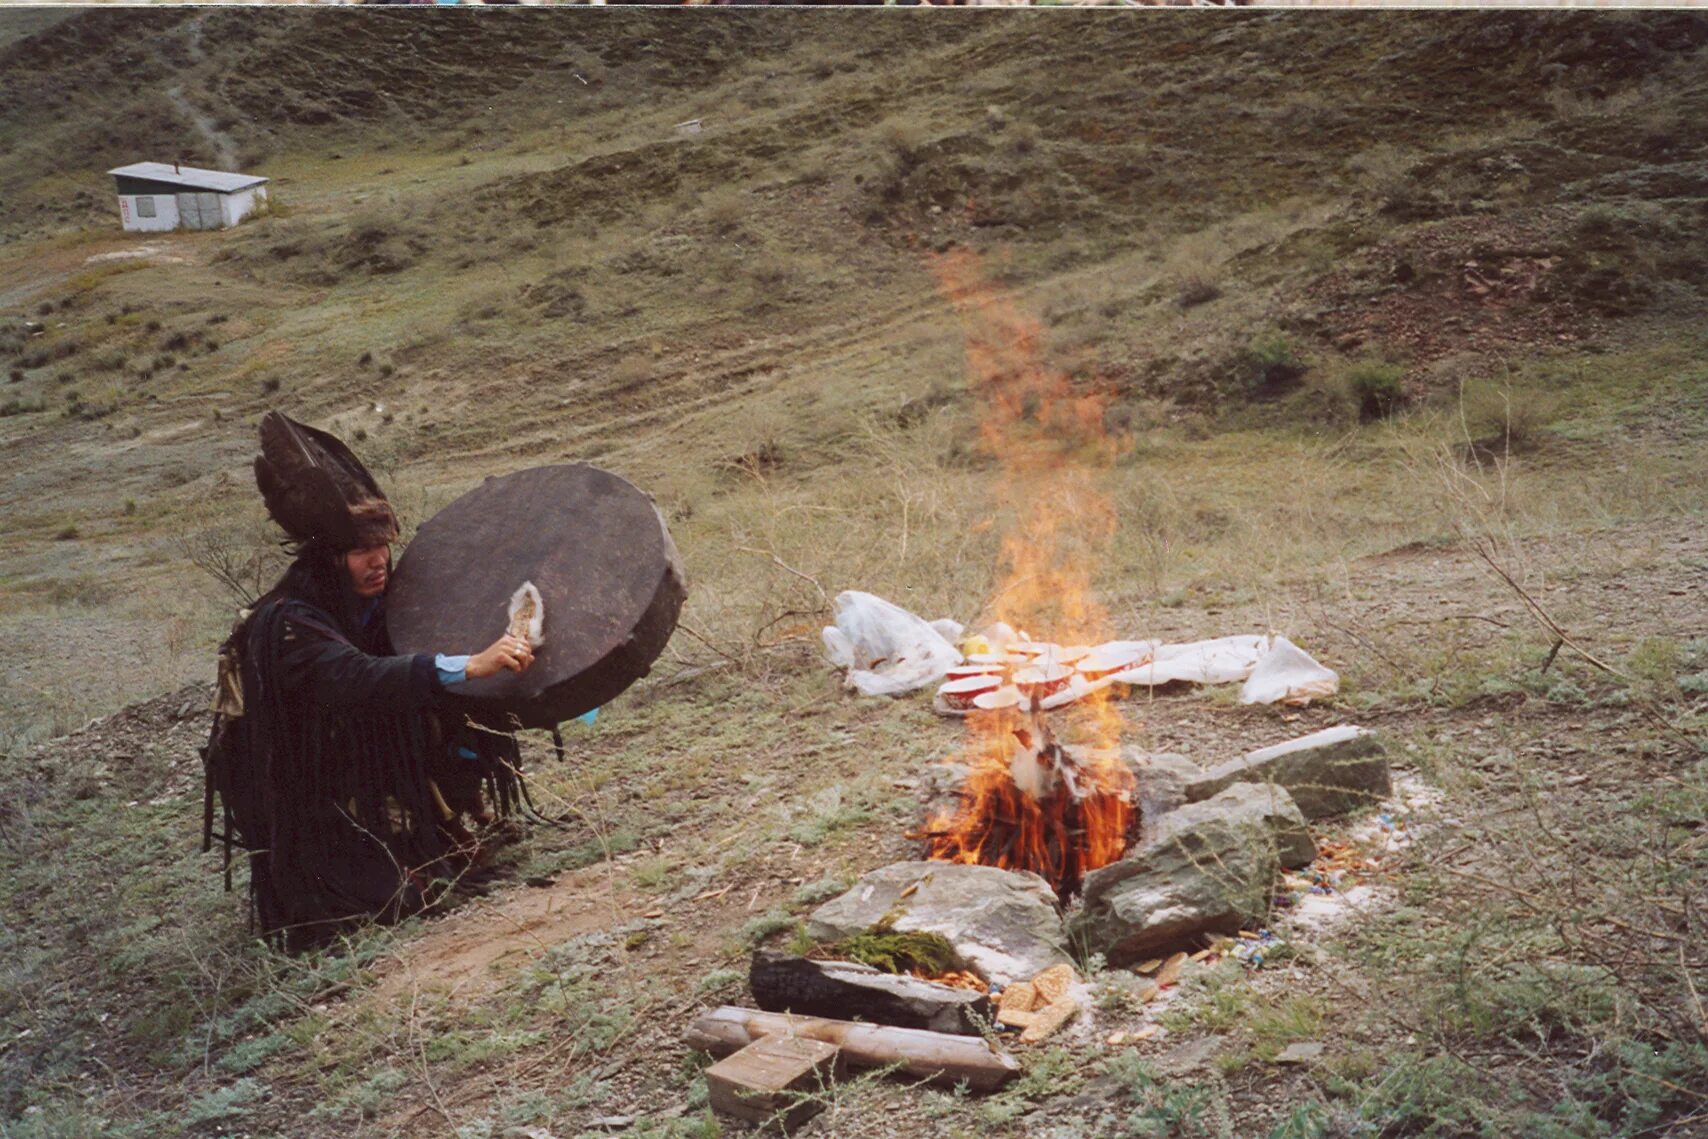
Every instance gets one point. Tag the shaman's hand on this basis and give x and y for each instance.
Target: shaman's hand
(508, 652)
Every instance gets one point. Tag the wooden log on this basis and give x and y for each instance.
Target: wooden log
(783, 982)
(934, 1056)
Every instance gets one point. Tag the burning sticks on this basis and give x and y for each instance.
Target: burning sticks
(1032, 804)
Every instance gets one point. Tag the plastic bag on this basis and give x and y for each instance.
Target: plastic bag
(1287, 674)
(886, 649)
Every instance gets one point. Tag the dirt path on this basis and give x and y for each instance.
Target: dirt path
(471, 952)
(224, 146)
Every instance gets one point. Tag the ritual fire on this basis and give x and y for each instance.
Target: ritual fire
(1032, 802)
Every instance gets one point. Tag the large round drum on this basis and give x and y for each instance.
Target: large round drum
(596, 548)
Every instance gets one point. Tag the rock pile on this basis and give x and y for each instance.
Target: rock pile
(1212, 844)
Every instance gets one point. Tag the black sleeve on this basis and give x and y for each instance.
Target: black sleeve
(335, 674)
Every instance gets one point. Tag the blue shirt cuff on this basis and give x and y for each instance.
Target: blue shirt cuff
(452, 670)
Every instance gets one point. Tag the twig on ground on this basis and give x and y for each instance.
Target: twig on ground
(1539, 905)
(787, 568)
(1360, 639)
(438, 1103)
(783, 616)
(707, 641)
(1561, 637)
(1481, 547)
(1695, 997)
(1495, 621)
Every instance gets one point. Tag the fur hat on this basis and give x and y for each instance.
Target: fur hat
(317, 490)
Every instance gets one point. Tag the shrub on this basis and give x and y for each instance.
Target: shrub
(1196, 290)
(904, 138)
(632, 370)
(1024, 138)
(1272, 364)
(1193, 267)
(270, 384)
(725, 208)
(1505, 419)
(770, 272)
(1376, 388)
(1384, 169)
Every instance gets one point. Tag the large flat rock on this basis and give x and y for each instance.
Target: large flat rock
(1002, 923)
(1328, 773)
(1207, 867)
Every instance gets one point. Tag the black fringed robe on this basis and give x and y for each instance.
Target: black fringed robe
(335, 777)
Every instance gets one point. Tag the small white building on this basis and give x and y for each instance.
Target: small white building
(156, 196)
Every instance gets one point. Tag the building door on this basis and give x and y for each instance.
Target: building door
(199, 211)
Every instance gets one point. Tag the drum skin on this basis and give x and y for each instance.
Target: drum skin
(598, 551)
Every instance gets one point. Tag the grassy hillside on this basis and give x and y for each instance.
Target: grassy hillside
(1358, 295)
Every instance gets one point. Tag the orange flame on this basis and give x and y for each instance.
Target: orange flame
(1047, 433)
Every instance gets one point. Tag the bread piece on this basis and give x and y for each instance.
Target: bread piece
(1022, 996)
(1052, 984)
(1048, 1022)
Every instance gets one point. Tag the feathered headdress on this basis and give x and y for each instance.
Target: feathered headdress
(317, 490)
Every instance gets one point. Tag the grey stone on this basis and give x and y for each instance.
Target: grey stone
(1205, 868)
(1300, 1052)
(1188, 1057)
(1002, 923)
(1249, 803)
(1328, 773)
(1162, 780)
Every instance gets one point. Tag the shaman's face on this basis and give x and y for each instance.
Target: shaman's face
(369, 569)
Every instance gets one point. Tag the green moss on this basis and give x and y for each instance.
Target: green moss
(900, 951)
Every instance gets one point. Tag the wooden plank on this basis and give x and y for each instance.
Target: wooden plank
(935, 1056)
(771, 1081)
